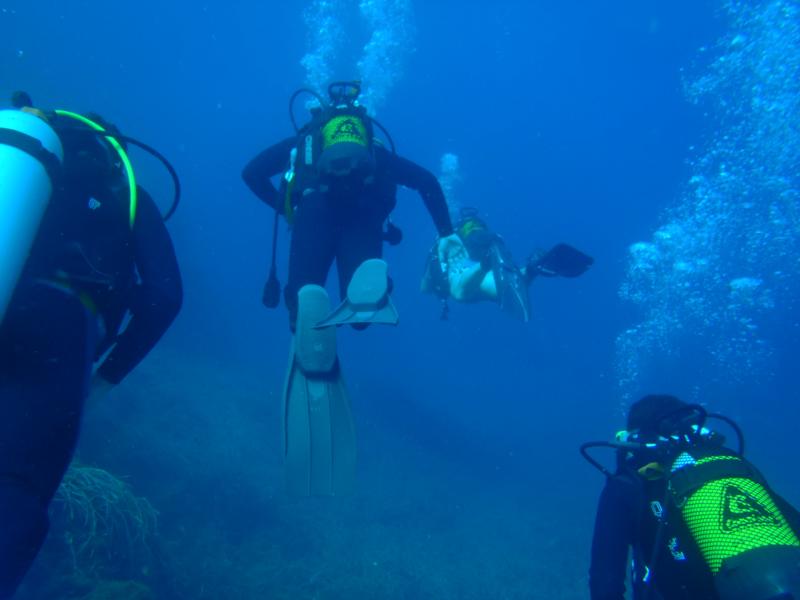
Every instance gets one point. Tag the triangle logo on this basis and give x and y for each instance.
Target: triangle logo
(742, 509)
(347, 129)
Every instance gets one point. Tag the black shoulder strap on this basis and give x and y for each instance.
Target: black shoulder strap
(34, 147)
(686, 480)
(651, 531)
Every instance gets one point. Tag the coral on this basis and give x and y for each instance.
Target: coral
(102, 521)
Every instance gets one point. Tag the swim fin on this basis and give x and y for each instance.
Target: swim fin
(367, 298)
(318, 431)
(561, 260)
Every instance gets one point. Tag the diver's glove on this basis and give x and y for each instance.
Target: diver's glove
(464, 275)
(451, 249)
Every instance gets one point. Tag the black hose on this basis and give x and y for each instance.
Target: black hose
(271, 295)
(386, 133)
(662, 525)
(147, 148)
(172, 172)
(733, 425)
(584, 449)
(294, 97)
(274, 242)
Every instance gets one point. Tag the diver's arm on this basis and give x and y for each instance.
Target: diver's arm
(267, 164)
(411, 175)
(613, 535)
(155, 301)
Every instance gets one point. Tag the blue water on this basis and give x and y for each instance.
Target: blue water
(661, 138)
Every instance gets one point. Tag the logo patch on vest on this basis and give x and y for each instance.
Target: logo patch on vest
(344, 129)
(740, 509)
(347, 129)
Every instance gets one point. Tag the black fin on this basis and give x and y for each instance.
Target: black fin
(562, 260)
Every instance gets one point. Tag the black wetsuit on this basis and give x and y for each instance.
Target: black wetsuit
(87, 269)
(342, 223)
(625, 522)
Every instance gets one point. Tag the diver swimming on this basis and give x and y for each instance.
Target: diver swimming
(338, 185)
(482, 269)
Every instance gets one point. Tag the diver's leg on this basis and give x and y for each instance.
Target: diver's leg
(312, 248)
(489, 286)
(510, 283)
(46, 348)
(361, 239)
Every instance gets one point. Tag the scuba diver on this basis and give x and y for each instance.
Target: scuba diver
(482, 268)
(337, 190)
(84, 249)
(701, 520)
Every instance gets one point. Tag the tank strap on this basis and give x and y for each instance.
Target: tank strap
(684, 481)
(32, 146)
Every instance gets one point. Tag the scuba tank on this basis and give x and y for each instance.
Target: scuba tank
(338, 141)
(336, 145)
(745, 540)
(344, 143)
(719, 501)
(30, 159)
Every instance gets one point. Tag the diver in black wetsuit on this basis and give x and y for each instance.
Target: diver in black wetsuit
(339, 202)
(338, 188)
(87, 269)
(701, 521)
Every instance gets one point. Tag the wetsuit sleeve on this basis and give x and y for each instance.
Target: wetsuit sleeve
(409, 174)
(613, 535)
(155, 301)
(265, 165)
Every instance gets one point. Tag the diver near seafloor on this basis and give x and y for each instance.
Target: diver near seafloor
(483, 269)
(700, 519)
(338, 188)
(84, 248)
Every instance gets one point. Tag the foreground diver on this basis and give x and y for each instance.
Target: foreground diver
(338, 188)
(701, 520)
(89, 247)
(483, 270)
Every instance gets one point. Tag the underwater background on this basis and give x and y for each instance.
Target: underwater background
(661, 138)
